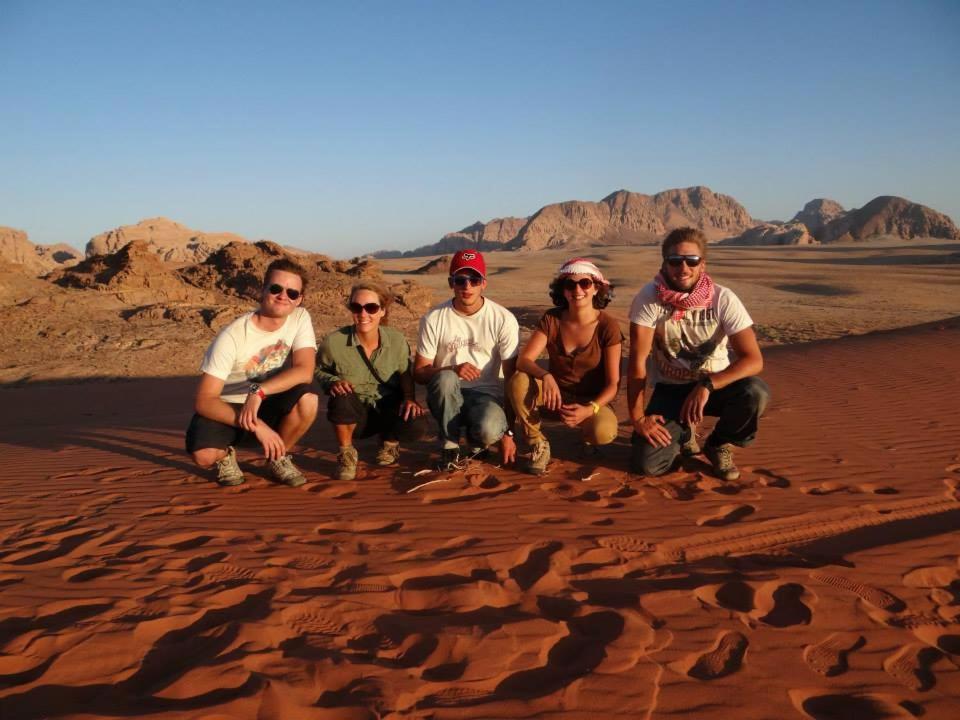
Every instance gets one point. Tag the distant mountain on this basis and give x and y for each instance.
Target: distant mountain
(819, 212)
(889, 215)
(16, 248)
(792, 233)
(170, 240)
(623, 217)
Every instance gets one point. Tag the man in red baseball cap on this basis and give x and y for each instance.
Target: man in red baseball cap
(467, 349)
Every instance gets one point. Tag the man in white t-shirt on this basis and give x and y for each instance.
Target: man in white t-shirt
(467, 349)
(687, 323)
(256, 381)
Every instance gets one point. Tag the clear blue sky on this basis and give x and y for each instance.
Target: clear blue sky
(351, 127)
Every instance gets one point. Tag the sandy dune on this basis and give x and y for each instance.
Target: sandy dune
(824, 583)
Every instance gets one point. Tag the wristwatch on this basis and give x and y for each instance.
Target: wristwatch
(706, 382)
(509, 433)
(255, 389)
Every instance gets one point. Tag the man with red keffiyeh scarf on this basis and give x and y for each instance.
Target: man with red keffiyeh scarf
(686, 322)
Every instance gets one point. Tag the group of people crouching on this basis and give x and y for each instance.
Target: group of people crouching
(262, 375)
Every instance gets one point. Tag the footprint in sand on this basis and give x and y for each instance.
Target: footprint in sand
(829, 657)
(301, 562)
(726, 515)
(825, 488)
(371, 527)
(334, 491)
(723, 658)
(733, 595)
(872, 596)
(570, 493)
(534, 562)
(910, 666)
(877, 489)
(781, 605)
(626, 543)
(708, 483)
(816, 704)
(476, 484)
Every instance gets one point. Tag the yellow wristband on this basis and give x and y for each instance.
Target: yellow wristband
(595, 406)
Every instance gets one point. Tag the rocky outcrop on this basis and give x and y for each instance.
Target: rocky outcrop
(632, 218)
(889, 215)
(792, 233)
(493, 235)
(819, 212)
(171, 241)
(16, 249)
(435, 267)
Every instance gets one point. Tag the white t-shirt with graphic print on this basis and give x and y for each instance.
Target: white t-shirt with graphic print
(484, 339)
(242, 353)
(686, 349)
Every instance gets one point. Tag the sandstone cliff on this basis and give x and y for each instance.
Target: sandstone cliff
(819, 212)
(173, 242)
(16, 249)
(889, 215)
(792, 233)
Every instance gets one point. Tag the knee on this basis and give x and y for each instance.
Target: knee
(207, 456)
(757, 394)
(604, 428)
(307, 406)
(490, 427)
(650, 461)
(445, 382)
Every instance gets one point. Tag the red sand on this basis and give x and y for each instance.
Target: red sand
(824, 583)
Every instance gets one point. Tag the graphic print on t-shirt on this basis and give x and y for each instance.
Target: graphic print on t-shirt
(691, 341)
(267, 360)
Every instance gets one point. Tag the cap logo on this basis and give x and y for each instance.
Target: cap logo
(468, 256)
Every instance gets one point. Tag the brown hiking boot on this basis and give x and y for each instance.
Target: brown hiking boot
(539, 458)
(347, 463)
(721, 457)
(388, 454)
(286, 472)
(690, 446)
(228, 471)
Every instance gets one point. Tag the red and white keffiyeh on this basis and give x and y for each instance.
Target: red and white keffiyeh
(699, 297)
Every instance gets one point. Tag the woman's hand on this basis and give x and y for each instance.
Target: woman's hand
(551, 393)
(574, 414)
(341, 387)
(411, 409)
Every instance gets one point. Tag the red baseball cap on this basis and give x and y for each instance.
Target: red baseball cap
(468, 260)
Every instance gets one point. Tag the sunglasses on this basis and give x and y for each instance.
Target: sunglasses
(678, 260)
(277, 289)
(357, 308)
(583, 283)
(461, 281)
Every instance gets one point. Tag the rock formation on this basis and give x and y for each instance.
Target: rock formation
(889, 215)
(435, 267)
(172, 241)
(16, 248)
(819, 212)
(792, 233)
(632, 218)
(493, 235)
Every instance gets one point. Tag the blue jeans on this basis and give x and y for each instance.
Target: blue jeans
(455, 407)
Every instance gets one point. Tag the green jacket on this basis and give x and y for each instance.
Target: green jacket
(339, 359)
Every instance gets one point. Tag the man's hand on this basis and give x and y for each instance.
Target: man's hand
(574, 414)
(341, 387)
(692, 411)
(508, 450)
(651, 428)
(273, 447)
(551, 393)
(411, 409)
(467, 371)
(248, 413)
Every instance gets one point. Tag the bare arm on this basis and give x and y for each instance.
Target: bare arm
(611, 368)
(303, 364)
(749, 360)
(424, 370)
(641, 342)
(208, 404)
(527, 359)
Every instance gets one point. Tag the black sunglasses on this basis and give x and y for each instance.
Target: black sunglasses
(357, 308)
(583, 283)
(277, 289)
(678, 260)
(462, 281)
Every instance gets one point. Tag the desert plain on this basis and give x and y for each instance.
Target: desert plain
(824, 583)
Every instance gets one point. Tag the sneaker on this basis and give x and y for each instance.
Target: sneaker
(347, 463)
(690, 447)
(721, 457)
(388, 454)
(286, 472)
(540, 458)
(479, 453)
(228, 471)
(449, 459)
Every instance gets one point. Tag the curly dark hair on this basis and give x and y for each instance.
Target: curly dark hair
(600, 300)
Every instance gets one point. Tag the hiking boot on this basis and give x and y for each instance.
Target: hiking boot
(347, 463)
(449, 459)
(539, 458)
(286, 472)
(388, 454)
(689, 446)
(228, 471)
(721, 457)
